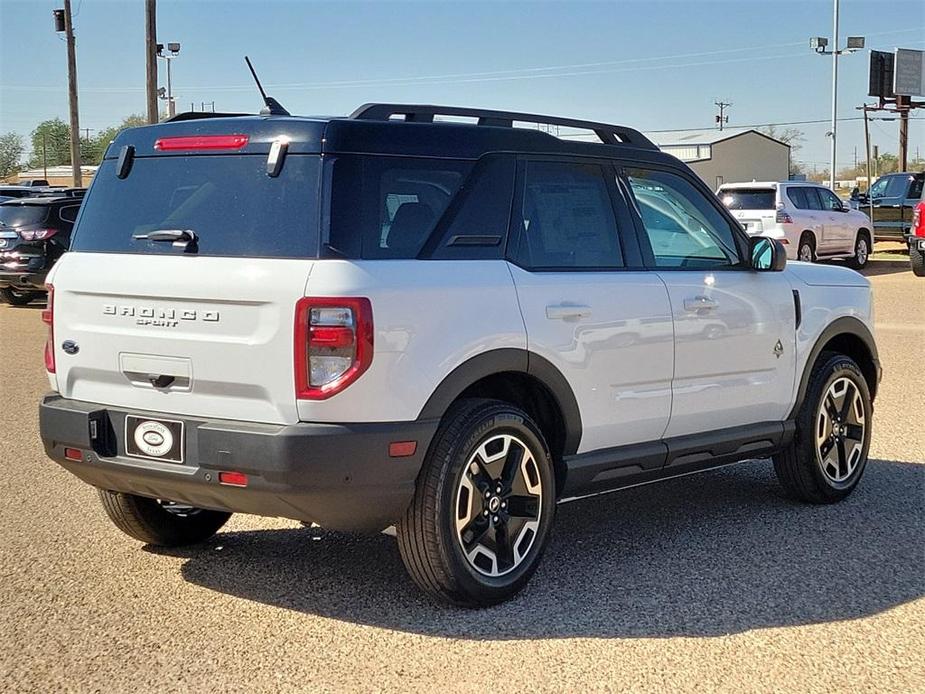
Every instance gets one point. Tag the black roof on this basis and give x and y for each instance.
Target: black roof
(44, 200)
(402, 129)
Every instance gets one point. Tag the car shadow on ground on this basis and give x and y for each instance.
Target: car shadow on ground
(713, 554)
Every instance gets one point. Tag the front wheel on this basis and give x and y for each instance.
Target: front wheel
(15, 297)
(861, 251)
(159, 522)
(484, 504)
(824, 462)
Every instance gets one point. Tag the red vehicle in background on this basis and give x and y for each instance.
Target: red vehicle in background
(917, 240)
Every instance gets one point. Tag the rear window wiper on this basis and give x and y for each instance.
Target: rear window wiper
(182, 236)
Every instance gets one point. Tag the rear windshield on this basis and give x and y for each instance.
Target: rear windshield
(229, 201)
(748, 198)
(16, 215)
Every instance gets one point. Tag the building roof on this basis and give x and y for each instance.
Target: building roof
(704, 136)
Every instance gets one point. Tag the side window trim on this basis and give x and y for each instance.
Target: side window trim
(515, 225)
(626, 225)
(738, 233)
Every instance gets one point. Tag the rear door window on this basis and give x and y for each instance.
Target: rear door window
(387, 207)
(798, 198)
(749, 198)
(231, 204)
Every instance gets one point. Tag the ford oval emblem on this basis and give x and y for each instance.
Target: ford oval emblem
(70, 347)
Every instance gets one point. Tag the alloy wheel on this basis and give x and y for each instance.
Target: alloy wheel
(498, 505)
(861, 252)
(840, 428)
(806, 253)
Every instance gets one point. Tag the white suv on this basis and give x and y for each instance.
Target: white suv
(809, 219)
(447, 327)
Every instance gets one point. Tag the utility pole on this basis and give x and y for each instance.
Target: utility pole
(151, 59)
(902, 103)
(721, 118)
(72, 94)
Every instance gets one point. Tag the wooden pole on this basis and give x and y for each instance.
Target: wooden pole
(151, 59)
(72, 95)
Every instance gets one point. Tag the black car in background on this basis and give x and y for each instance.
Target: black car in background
(34, 233)
(892, 199)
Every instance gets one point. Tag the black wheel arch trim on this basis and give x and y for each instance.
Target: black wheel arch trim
(509, 359)
(840, 326)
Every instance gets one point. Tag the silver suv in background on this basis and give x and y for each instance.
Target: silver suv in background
(809, 219)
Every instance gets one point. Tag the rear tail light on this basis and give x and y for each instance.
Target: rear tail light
(199, 142)
(918, 219)
(48, 317)
(333, 344)
(37, 234)
(74, 454)
(782, 217)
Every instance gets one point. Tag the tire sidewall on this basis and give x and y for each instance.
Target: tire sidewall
(863, 237)
(806, 240)
(833, 369)
(500, 419)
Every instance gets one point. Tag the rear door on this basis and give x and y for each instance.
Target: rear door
(588, 306)
(200, 328)
(840, 230)
(733, 327)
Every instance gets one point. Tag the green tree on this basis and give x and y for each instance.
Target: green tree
(51, 144)
(11, 151)
(109, 134)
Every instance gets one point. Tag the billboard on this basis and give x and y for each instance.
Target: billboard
(909, 72)
(881, 75)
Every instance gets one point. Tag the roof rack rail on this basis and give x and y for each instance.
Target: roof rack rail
(420, 113)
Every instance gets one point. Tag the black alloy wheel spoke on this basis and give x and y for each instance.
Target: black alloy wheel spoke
(504, 547)
(847, 402)
(512, 461)
(523, 506)
(474, 532)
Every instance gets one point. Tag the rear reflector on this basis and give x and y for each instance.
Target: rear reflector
(233, 479)
(402, 449)
(74, 454)
(196, 142)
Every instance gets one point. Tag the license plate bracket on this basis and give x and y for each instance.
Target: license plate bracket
(154, 439)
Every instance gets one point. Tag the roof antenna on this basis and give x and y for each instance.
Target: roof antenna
(272, 107)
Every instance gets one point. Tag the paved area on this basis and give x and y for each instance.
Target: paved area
(714, 582)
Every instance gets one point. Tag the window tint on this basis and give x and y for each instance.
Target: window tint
(567, 218)
(16, 215)
(798, 198)
(748, 198)
(813, 199)
(386, 207)
(897, 186)
(830, 201)
(229, 201)
(915, 190)
(683, 228)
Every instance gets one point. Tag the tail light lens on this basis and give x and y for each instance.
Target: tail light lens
(48, 318)
(918, 219)
(333, 345)
(37, 234)
(782, 217)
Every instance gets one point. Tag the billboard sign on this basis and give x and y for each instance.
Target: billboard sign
(909, 72)
(881, 75)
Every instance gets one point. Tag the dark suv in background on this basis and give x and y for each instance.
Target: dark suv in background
(891, 202)
(34, 233)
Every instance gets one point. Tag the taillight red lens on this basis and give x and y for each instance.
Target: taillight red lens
(918, 220)
(37, 234)
(48, 317)
(232, 479)
(193, 142)
(783, 218)
(333, 344)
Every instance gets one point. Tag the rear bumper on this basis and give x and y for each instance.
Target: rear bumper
(23, 280)
(337, 475)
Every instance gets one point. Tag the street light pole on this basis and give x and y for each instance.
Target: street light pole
(835, 53)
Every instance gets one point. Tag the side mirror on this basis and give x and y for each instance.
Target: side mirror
(767, 255)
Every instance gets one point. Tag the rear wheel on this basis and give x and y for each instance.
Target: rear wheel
(824, 462)
(17, 297)
(159, 522)
(806, 251)
(862, 251)
(917, 258)
(484, 504)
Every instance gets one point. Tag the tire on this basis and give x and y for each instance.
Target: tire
(803, 469)
(917, 258)
(460, 539)
(16, 297)
(806, 251)
(160, 523)
(862, 251)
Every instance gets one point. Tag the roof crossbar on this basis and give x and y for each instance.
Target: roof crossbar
(419, 113)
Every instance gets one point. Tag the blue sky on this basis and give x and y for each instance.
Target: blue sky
(655, 64)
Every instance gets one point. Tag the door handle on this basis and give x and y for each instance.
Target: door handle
(700, 303)
(566, 311)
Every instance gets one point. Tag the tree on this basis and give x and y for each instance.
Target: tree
(51, 144)
(789, 136)
(109, 134)
(11, 151)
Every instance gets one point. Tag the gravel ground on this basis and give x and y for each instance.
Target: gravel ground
(714, 582)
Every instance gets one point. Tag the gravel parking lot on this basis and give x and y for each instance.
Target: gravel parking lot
(705, 583)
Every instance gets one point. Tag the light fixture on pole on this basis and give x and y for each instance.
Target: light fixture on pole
(820, 45)
(173, 50)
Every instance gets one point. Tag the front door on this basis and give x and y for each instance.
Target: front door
(734, 327)
(588, 306)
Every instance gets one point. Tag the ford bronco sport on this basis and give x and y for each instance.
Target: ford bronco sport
(446, 326)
